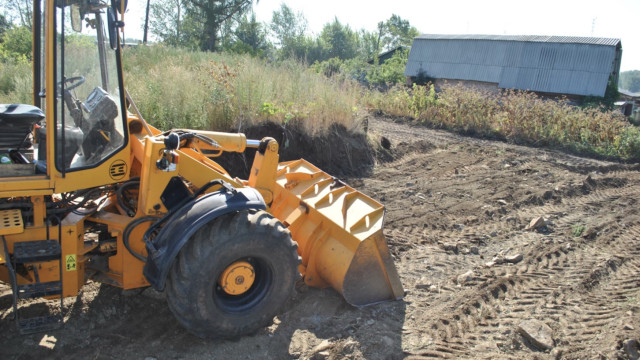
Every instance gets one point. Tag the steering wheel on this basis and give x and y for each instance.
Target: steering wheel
(70, 100)
(73, 82)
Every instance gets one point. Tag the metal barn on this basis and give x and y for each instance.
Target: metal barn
(546, 64)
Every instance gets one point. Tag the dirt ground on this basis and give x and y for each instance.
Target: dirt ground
(475, 267)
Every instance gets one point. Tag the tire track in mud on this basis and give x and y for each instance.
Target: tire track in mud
(544, 287)
(540, 287)
(478, 316)
(609, 287)
(592, 199)
(584, 285)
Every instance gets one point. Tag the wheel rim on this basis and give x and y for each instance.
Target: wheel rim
(237, 278)
(247, 298)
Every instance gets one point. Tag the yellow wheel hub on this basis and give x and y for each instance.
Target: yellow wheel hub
(237, 278)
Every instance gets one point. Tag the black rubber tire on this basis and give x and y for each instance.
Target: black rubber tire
(251, 235)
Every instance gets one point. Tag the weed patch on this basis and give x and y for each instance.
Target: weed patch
(181, 88)
(515, 116)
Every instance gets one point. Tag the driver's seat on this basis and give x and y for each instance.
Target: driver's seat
(16, 123)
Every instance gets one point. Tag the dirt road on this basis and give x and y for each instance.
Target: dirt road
(490, 239)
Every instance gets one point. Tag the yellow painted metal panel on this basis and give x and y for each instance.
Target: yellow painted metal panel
(125, 270)
(3, 256)
(231, 142)
(11, 222)
(339, 234)
(35, 183)
(25, 193)
(113, 170)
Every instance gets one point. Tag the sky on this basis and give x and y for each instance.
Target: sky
(598, 18)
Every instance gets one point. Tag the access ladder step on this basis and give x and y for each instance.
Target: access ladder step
(35, 251)
(39, 324)
(37, 290)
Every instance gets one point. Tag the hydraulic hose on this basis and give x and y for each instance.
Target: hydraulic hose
(127, 232)
(132, 183)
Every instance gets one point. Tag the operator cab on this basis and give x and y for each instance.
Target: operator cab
(88, 93)
(79, 52)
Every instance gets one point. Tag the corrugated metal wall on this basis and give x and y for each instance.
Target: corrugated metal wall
(566, 65)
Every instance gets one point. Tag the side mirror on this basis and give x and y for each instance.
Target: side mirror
(112, 28)
(76, 18)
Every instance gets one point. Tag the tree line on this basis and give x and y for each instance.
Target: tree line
(231, 25)
(630, 80)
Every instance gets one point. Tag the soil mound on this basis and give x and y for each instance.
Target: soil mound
(338, 151)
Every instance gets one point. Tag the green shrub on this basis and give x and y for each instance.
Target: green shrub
(627, 143)
(16, 44)
(329, 67)
(391, 71)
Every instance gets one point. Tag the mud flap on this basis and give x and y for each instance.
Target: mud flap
(339, 234)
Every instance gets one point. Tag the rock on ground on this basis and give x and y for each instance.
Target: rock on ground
(538, 333)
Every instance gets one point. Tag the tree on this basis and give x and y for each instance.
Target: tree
(341, 42)
(392, 71)
(250, 37)
(195, 23)
(146, 22)
(5, 25)
(390, 34)
(288, 30)
(213, 14)
(634, 84)
(287, 26)
(397, 32)
(371, 42)
(166, 21)
(19, 11)
(16, 43)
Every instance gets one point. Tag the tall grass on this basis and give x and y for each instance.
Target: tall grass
(177, 88)
(516, 116)
(180, 88)
(16, 82)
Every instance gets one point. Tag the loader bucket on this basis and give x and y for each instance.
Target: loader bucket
(339, 234)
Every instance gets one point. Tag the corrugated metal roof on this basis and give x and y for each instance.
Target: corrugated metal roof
(629, 93)
(553, 64)
(527, 38)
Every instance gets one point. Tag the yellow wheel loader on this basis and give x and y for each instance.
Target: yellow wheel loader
(89, 190)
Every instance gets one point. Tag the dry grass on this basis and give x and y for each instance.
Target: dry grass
(16, 83)
(178, 88)
(516, 116)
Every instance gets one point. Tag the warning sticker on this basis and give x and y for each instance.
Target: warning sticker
(71, 262)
